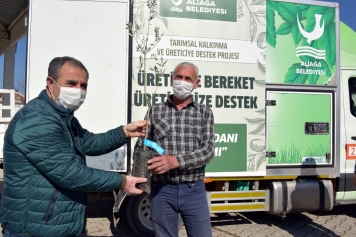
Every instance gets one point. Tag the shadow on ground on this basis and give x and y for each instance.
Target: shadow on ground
(299, 224)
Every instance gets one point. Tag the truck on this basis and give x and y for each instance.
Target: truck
(279, 76)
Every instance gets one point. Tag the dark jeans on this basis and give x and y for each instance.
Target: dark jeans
(188, 199)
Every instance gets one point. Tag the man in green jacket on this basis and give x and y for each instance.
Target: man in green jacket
(46, 179)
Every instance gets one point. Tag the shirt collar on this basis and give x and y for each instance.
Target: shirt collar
(191, 103)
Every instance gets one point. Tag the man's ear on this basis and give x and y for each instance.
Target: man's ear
(49, 82)
(197, 84)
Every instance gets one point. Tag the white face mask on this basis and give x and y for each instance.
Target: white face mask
(69, 97)
(182, 89)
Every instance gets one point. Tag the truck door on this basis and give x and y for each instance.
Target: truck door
(299, 130)
(346, 190)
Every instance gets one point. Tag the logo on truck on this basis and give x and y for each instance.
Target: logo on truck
(310, 36)
(316, 33)
(215, 10)
(177, 3)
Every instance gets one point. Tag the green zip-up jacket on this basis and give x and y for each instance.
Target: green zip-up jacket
(46, 179)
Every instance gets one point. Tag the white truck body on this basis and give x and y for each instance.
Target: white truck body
(285, 108)
(84, 30)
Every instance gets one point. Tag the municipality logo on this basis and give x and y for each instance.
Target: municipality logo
(176, 4)
(310, 36)
(215, 10)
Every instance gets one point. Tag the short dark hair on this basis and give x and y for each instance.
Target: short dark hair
(57, 63)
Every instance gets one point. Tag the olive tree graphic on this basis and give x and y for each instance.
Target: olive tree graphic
(257, 156)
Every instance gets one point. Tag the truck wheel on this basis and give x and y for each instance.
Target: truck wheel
(138, 215)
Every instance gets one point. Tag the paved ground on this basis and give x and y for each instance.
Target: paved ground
(341, 221)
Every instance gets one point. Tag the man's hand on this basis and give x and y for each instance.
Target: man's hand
(162, 164)
(355, 179)
(130, 187)
(135, 129)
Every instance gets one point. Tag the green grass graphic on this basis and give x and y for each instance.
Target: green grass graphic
(293, 154)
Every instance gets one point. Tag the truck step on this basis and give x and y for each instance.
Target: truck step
(238, 201)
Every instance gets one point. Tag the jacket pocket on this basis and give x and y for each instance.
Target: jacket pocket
(51, 206)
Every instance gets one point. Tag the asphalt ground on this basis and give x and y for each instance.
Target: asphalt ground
(341, 221)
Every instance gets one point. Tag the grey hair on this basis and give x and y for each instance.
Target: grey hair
(186, 65)
(57, 63)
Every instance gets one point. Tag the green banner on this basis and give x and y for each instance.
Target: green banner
(301, 43)
(218, 10)
(230, 148)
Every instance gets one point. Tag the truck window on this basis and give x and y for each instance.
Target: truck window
(352, 93)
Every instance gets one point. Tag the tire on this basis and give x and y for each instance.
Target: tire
(138, 215)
